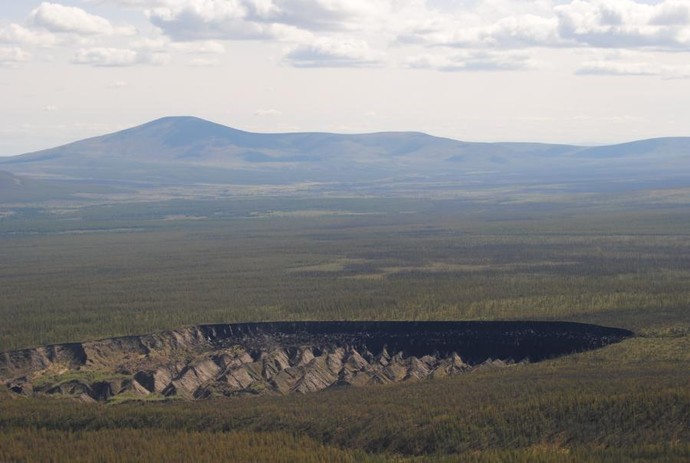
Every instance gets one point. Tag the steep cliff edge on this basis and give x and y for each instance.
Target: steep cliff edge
(286, 357)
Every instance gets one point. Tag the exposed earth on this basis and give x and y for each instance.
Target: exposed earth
(286, 357)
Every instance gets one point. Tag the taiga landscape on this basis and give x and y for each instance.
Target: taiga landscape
(344, 231)
(96, 259)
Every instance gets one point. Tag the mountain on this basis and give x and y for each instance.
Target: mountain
(190, 139)
(22, 189)
(9, 182)
(189, 150)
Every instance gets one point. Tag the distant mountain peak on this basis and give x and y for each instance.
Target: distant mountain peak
(186, 123)
(182, 121)
(189, 150)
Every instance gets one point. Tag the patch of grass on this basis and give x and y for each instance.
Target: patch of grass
(132, 397)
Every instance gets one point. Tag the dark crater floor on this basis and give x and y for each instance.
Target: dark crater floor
(475, 341)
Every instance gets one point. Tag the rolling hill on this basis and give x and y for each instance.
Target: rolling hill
(189, 150)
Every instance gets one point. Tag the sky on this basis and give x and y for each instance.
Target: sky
(557, 71)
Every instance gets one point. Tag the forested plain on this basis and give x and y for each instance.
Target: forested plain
(80, 273)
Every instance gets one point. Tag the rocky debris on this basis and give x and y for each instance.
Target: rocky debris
(277, 371)
(286, 357)
(65, 355)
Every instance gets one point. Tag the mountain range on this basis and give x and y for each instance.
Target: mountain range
(193, 151)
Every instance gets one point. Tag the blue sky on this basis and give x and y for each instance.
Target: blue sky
(577, 71)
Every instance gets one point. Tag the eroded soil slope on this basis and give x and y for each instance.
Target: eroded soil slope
(286, 357)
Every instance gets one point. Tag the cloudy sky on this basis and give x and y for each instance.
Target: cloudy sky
(574, 71)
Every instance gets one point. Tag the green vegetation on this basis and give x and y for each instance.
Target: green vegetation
(627, 401)
(444, 261)
(137, 445)
(88, 273)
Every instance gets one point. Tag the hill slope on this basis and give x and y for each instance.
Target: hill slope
(188, 150)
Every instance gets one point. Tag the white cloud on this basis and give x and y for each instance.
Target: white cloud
(328, 52)
(190, 47)
(15, 33)
(614, 68)
(626, 24)
(148, 43)
(203, 62)
(11, 56)
(50, 108)
(473, 61)
(267, 112)
(478, 24)
(58, 18)
(117, 57)
(672, 13)
(133, 3)
(577, 23)
(264, 19)
(207, 47)
(256, 19)
(105, 57)
(208, 19)
(510, 32)
(200, 50)
(523, 31)
(319, 14)
(617, 69)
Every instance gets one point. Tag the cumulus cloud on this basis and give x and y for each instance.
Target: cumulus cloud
(577, 23)
(510, 32)
(473, 61)
(15, 33)
(100, 56)
(203, 62)
(613, 68)
(11, 56)
(327, 52)
(117, 57)
(626, 24)
(671, 13)
(133, 3)
(319, 15)
(207, 47)
(488, 24)
(201, 52)
(448, 36)
(191, 47)
(262, 19)
(617, 69)
(57, 18)
(523, 31)
(210, 19)
(150, 44)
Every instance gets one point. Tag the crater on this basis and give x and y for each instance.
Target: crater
(287, 357)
